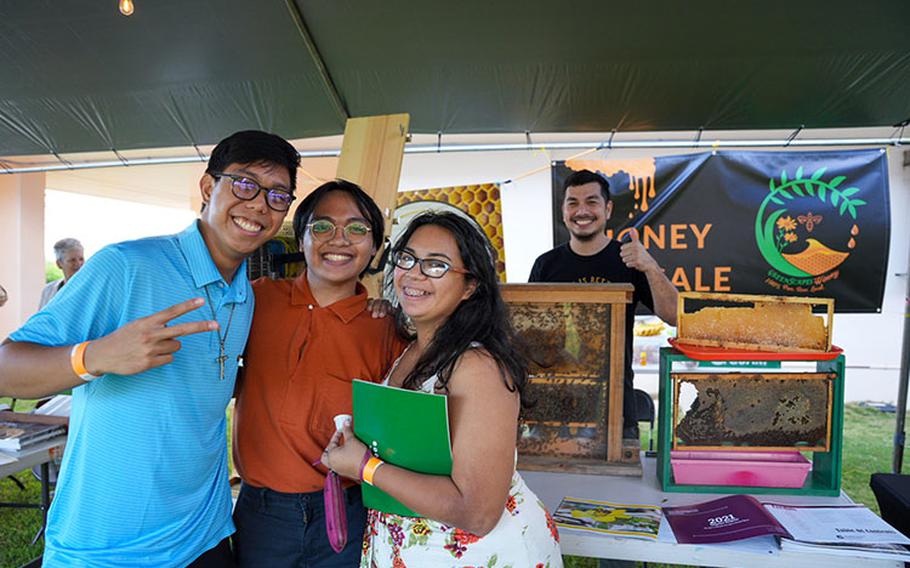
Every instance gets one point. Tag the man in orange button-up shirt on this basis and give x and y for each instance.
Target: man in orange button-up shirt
(310, 338)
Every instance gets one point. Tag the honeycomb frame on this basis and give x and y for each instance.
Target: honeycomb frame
(683, 318)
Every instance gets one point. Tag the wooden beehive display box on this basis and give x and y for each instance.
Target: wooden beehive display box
(741, 412)
(755, 322)
(574, 338)
(707, 419)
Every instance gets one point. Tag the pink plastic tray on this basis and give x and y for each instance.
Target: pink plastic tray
(749, 469)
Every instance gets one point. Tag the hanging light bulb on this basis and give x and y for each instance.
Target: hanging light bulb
(126, 7)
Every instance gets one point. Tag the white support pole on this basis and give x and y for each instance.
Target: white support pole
(22, 235)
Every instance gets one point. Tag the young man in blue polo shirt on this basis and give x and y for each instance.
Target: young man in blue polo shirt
(148, 335)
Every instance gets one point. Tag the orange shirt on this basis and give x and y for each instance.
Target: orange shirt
(299, 363)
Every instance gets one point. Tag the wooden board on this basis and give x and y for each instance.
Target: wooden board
(581, 465)
(371, 154)
(617, 382)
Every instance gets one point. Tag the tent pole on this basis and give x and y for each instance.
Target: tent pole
(8, 167)
(901, 411)
(327, 82)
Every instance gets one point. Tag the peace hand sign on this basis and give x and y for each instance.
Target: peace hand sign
(144, 343)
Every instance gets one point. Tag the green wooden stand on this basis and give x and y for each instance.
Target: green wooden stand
(823, 480)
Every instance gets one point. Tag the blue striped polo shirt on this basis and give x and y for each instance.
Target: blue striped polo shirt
(144, 479)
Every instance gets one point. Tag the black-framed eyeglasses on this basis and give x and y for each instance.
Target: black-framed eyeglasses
(246, 189)
(324, 230)
(429, 267)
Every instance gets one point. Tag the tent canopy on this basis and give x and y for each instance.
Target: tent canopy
(78, 76)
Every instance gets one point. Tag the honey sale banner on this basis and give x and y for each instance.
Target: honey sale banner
(783, 223)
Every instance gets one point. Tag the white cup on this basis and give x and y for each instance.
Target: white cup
(340, 420)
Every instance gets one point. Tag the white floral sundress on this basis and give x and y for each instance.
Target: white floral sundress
(524, 537)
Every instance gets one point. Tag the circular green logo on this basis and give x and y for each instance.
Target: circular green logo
(786, 223)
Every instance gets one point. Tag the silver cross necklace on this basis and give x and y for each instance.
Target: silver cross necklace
(222, 358)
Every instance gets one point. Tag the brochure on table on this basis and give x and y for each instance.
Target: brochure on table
(606, 518)
(843, 530)
(726, 519)
(835, 525)
(19, 434)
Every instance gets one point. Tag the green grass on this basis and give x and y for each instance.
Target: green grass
(868, 443)
(52, 271)
(868, 436)
(19, 526)
(21, 405)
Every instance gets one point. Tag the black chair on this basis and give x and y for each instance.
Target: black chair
(892, 491)
(644, 412)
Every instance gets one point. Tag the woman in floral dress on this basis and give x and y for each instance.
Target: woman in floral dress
(462, 346)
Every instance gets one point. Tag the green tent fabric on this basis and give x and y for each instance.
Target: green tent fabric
(78, 76)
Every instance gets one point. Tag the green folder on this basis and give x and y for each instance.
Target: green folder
(406, 428)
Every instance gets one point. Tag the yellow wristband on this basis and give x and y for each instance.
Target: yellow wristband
(77, 361)
(369, 470)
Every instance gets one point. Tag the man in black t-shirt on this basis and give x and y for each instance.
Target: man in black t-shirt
(591, 256)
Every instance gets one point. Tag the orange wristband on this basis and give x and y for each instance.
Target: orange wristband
(369, 470)
(77, 361)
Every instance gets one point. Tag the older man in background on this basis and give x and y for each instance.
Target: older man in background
(70, 258)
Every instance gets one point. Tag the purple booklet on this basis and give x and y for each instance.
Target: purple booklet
(722, 520)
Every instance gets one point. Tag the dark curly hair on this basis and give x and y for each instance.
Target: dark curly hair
(483, 317)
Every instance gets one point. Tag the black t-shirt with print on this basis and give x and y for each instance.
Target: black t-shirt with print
(563, 265)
